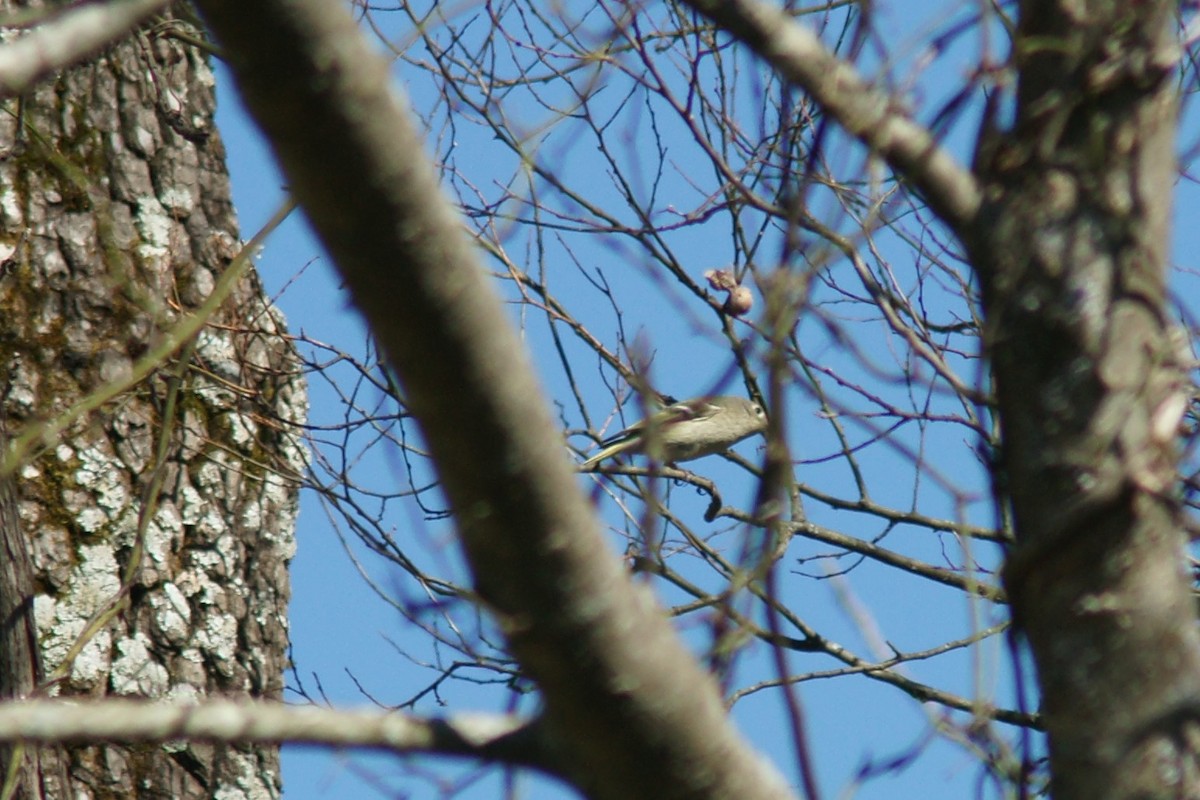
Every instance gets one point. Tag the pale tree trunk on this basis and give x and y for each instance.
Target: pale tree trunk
(159, 525)
(1071, 245)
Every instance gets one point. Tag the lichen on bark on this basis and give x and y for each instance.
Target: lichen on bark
(115, 202)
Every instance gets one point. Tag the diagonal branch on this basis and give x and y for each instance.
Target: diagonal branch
(67, 39)
(630, 711)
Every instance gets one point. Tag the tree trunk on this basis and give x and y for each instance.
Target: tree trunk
(160, 524)
(1071, 247)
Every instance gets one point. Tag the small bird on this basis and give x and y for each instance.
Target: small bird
(691, 429)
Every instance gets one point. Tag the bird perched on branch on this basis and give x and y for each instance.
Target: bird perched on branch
(687, 430)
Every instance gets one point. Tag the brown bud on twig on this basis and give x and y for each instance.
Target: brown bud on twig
(740, 299)
(739, 302)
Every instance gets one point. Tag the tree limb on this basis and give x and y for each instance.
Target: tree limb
(488, 737)
(68, 39)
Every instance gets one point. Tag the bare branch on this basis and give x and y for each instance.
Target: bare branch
(489, 737)
(870, 115)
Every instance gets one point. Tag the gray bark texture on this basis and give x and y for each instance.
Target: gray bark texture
(159, 525)
(1071, 247)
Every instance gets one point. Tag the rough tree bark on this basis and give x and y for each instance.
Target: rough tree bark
(1071, 245)
(159, 526)
(36, 771)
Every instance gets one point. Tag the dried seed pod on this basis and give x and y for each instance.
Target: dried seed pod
(740, 299)
(739, 302)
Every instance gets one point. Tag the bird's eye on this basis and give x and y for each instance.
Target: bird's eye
(758, 410)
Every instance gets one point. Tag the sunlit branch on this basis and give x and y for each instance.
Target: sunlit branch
(491, 737)
(67, 39)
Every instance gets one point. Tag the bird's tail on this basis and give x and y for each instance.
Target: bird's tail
(611, 450)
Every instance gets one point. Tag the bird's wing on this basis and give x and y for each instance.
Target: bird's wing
(678, 412)
(683, 412)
